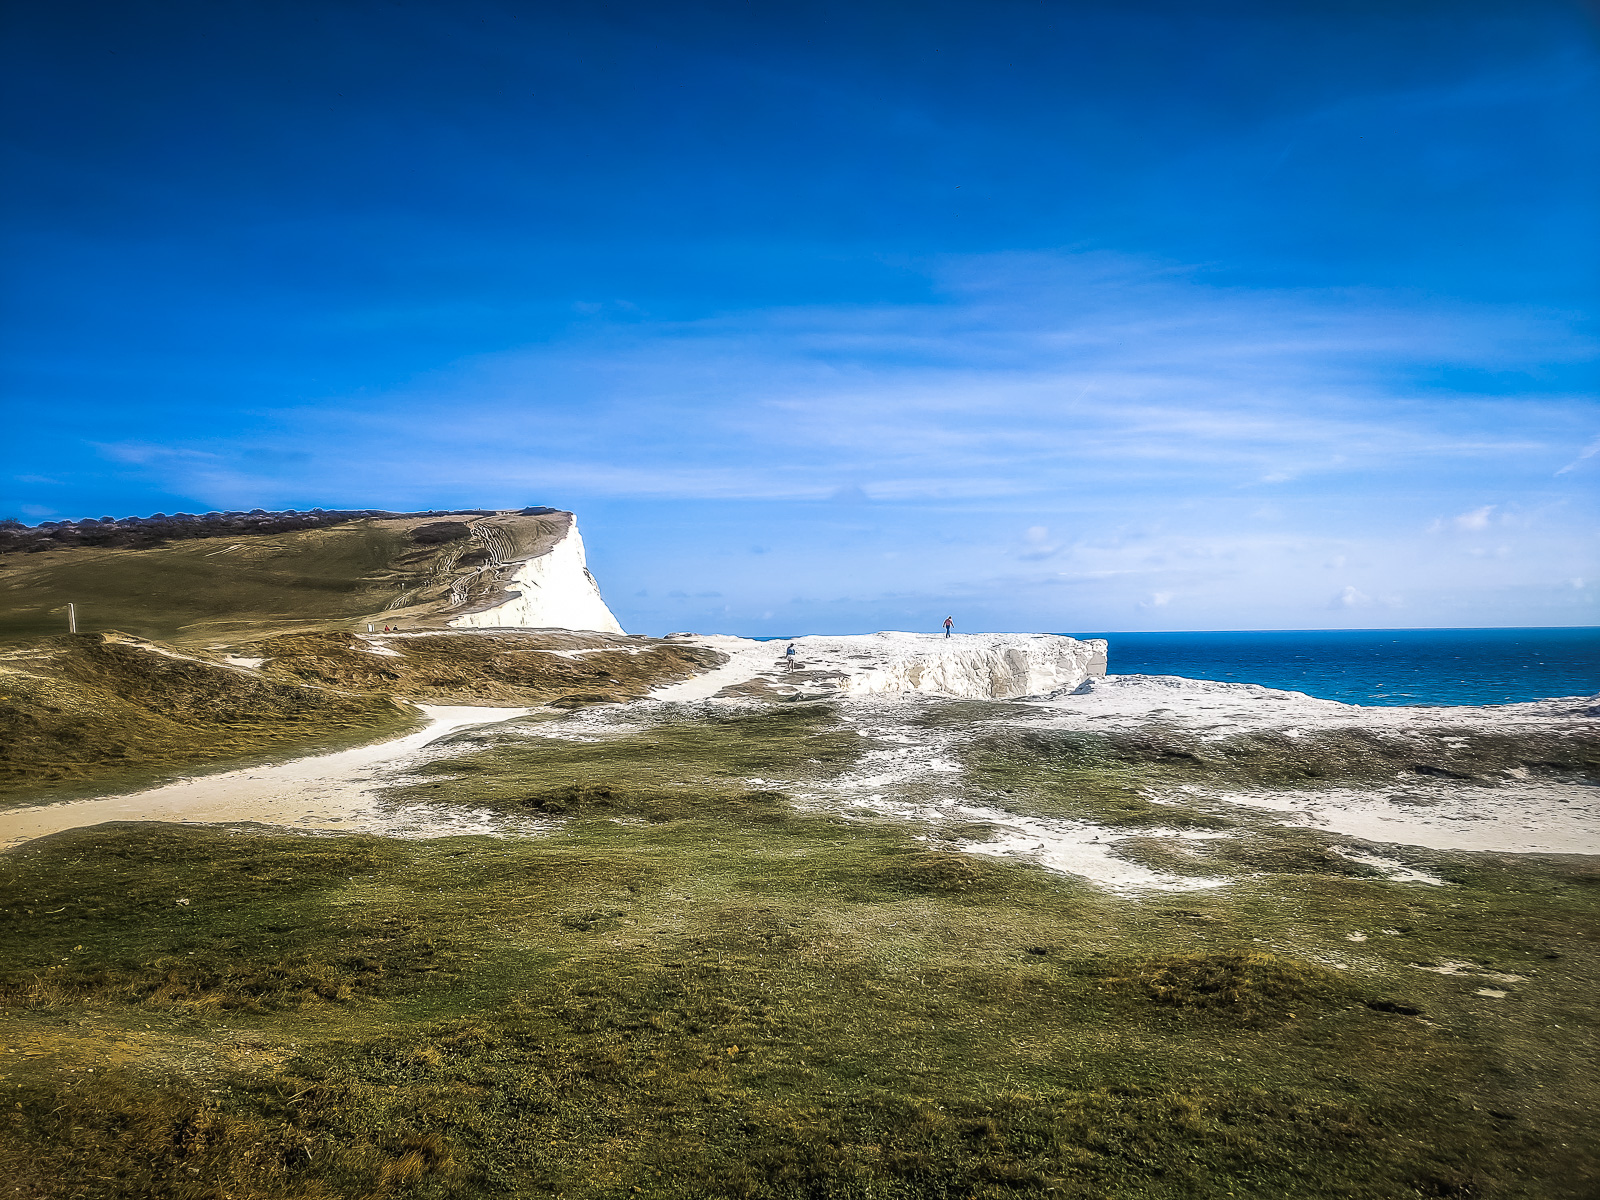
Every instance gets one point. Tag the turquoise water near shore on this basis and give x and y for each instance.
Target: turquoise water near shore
(1376, 666)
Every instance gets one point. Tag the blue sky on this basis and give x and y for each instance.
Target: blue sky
(836, 317)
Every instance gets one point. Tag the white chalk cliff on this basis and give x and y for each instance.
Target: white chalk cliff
(973, 666)
(989, 666)
(544, 579)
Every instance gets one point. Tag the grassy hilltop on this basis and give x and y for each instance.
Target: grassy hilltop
(200, 580)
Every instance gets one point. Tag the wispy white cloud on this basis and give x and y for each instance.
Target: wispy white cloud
(148, 454)
(1030, 375)
(1584, 455)
(1038, 545)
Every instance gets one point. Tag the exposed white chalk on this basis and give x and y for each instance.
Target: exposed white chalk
(550, 590)
(974, 666)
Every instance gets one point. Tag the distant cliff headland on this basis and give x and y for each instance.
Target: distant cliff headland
(140, 533)
(191, 578)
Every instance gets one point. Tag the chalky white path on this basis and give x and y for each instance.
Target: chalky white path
(331, 791)
(1514, 814)
(1520, 817)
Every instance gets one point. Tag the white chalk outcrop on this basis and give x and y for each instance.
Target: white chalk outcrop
(549, 583)
(973, 666)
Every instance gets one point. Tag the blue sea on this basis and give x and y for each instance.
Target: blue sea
(1376, 666)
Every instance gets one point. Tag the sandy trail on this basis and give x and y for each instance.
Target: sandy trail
(1515, 814)
(1533, 817)
(746, 660)
(330, 791)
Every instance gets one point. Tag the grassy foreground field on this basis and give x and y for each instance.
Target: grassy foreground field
(692, 987)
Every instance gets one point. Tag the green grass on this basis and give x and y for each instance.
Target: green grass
(1111, 769)
(202, 590)
(691, 987)
(508, 667)
(651, 775)
(91, 712)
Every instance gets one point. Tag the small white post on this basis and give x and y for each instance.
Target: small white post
(72, 617)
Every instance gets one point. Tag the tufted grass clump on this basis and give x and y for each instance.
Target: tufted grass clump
(1247, 986)
(655, 805)
(942, 873)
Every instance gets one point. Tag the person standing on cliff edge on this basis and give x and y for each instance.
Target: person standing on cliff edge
(948, 622)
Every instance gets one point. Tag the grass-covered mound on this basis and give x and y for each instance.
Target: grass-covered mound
(98, 707)
(1111, 773)
(1244, 985)
(199, 579)
(668, 771)
(569, 668)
